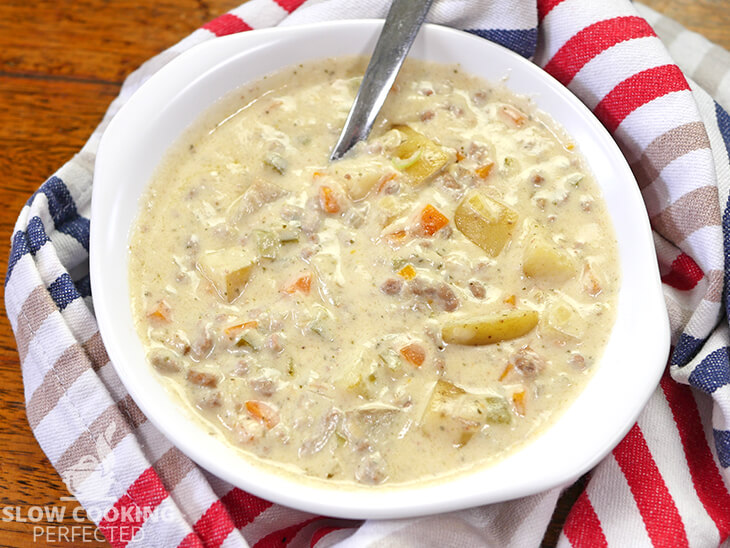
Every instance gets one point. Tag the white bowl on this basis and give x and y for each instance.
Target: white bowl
(149, 123)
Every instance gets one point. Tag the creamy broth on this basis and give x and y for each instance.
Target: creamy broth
(423, 306)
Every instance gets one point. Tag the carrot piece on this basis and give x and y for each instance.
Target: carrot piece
(385, 179)
(161, 312)
(507, 371)
(302, 283)
(485, 170)
(396, 237)
(432, 220)
(318, 174)
(459, 156)
(407, 272)
(253, 324)
(265, 414)
(517, 117)
(570, 146)
(414, 353)
(519, 401)
(328, 200)
(511, 300)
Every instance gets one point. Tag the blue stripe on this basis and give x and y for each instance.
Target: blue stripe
(18, 248)
(723, 123)
(63, 211)
(63, 291)
(60, 203)
(77, 228)
(26, 242)
(686, 349)
(712, 372)
(523, 42)
(722, 442)
(84, 286)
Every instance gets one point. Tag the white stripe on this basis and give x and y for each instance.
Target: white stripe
(681, 176)
(69, 250)
(283, 517)
(703, 319)
(615, 506)
(113, 475)
(570, 17)
(650, 120)
(705, 246)
(39, 208)
(78, 319)
(194, 495)
(665, 445)
(721, 409)
(261, 14)
(59, 429)
(47, 263)
(164, 527)
(50, 341)
(609, 68)
(235, 540)
(706, 408)
(88, 397)
(78, 180)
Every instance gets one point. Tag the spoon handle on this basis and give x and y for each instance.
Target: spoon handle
(400, 29)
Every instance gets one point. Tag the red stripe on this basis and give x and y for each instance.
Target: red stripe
(282, 537)
(582, 527)
(656, 506)
(706, 478)
(322, 532)
(243, 507)
(214, 526)
(226, 24)
(191, 541)
(637, 90)
(126, 517)
(290, 5)
(684, 273)
(591, 41)
(544, 7)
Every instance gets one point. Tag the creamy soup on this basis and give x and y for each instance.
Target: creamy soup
(423, 306)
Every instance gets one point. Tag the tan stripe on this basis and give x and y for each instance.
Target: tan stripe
(97, 352)
(668, 147)
(693, 211)
(91, 447)
(134, 414)
(172, 467)
(36, 308)
(715, 280)
(69, 367)
(713, 67)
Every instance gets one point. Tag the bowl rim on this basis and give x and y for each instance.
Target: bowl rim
(388, 502)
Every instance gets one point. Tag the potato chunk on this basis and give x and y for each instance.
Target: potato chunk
(490, 329)
(228, 270)
(486, 222)
(459, 414)
(545, 260)
(420, 157)
(358, 175)
(564, 318)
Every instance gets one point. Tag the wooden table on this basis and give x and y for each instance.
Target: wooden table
(61, 64)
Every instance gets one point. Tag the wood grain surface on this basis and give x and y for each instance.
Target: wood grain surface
(61, 64)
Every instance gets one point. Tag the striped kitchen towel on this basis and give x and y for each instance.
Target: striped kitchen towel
(664, 98)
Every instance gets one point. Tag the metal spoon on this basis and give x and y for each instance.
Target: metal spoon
(400, 29)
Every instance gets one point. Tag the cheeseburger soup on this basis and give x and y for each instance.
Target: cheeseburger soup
(423, 306)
